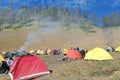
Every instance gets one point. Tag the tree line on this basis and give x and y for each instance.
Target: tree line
(23, 16)
(112, 19)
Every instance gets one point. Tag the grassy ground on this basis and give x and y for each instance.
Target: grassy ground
(79, 69)
(82, 70)
(62, 38)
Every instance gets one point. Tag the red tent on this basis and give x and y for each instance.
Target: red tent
(74, 54)
(28, 67)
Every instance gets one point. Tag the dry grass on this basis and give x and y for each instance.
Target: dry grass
(62, 38)
(56, 38)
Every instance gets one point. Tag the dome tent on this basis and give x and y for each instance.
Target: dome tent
(74, 54)
(1, 58)
(98, 54)
(28, 67)
(117, 49)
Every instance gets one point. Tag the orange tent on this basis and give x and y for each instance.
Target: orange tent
(73, 54)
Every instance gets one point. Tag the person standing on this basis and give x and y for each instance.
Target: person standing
(10, 61)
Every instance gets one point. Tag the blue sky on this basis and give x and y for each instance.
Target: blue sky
(102, 7)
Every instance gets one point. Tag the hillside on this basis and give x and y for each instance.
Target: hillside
(65, 38)
(57, 24)
(59, 38)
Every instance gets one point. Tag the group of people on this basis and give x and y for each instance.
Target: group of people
(5, 65)
(8, 56)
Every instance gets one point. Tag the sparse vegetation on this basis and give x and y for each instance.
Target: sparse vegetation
(70, 70)
(112, 20)
(37, 16)
(73, 28)
(115, 76)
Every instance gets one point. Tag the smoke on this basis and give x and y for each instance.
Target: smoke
(47, 28)
(48, 25)
(30, 39)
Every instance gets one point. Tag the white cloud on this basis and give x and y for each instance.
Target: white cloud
(84, 4)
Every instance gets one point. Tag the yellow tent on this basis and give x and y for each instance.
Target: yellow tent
(117, 49)
(40, 51)
(31, 51)
(98, 54)
(1, 58)
(65, 51)
(3, 52)
(48, 51)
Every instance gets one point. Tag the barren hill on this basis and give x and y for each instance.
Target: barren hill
(59, 38)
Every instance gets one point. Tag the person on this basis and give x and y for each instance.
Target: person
(110, 49)
(65, 58)
(60, 51)
(4, 67)
(78, 49)
(10, 61)
(8, 54)
(81, 51)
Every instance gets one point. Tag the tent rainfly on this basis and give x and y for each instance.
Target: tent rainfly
(117, 49)
(74, 54)
(98, 54)
(27, 68)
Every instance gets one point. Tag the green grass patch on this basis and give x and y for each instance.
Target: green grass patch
(116, 76)
(97, 73)
(104, 68)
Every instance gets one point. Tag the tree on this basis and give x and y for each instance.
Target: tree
(79, 12)
(105, 21)
(52, 11)
(1, 24)
(93, 18)
(85, 15)
(112, 19)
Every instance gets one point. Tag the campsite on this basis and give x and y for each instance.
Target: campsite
(74, 69)
(59, 40)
